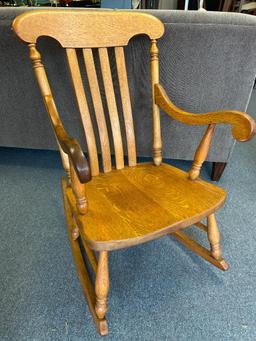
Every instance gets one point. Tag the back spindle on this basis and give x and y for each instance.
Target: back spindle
(83, 108)
(157, 141)
(98, 109)
(126, 105)
(112, 106)
(45, 89)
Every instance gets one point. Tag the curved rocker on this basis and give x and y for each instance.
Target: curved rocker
(83, 273)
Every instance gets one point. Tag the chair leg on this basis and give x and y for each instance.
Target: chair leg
(214, 237)
(83, 273)
(102, 285)
(214, 255)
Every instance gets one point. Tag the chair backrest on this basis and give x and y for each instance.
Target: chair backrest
(91, 30)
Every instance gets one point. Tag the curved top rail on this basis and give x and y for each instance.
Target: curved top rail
(86, 28)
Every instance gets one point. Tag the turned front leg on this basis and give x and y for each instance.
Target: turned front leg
(214, 237)
(102, 285)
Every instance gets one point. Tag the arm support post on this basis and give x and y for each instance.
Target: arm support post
(201, 152)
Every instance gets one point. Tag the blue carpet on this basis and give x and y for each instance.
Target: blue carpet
(159, 290)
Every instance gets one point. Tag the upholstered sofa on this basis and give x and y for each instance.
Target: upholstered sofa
(207, 63)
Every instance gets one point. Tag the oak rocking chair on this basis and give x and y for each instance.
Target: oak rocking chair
(122, 205)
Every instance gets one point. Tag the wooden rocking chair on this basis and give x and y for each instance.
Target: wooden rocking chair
(124, 205)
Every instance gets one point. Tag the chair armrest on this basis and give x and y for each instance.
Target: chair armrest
(243, 126)
(69, 145)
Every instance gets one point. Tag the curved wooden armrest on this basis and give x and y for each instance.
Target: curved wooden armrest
(72, 148)
(69, 145)
(243, 126)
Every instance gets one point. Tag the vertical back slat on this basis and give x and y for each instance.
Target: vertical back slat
(98, 108)
(126, 105)
(112, 107)
(84, 110)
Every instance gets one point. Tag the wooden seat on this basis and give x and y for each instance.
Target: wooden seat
(137, 204)
(123, 205)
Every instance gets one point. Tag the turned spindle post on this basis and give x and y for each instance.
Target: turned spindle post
(78, 190)
(201, 153)
(102, 285)
(157, 141)
(214, 237)
(44, 86)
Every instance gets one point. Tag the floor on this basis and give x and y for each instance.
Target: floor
(159, 290)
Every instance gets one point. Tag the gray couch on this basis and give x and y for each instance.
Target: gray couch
(207, 62)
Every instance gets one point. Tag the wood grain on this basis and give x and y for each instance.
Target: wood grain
(83, 273)
(200, 250)
(84, 110)
(79, 190)
(129, 205)
(243, 126)
(112, 107)
(157, 140)
(64, 158)
(90, 255)
(67, 145)
(126, 105)
(214, 236)
(191, 244)
(137, 204)
(84, 28)
(201, 152)
(98, 108)
(102, 285)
